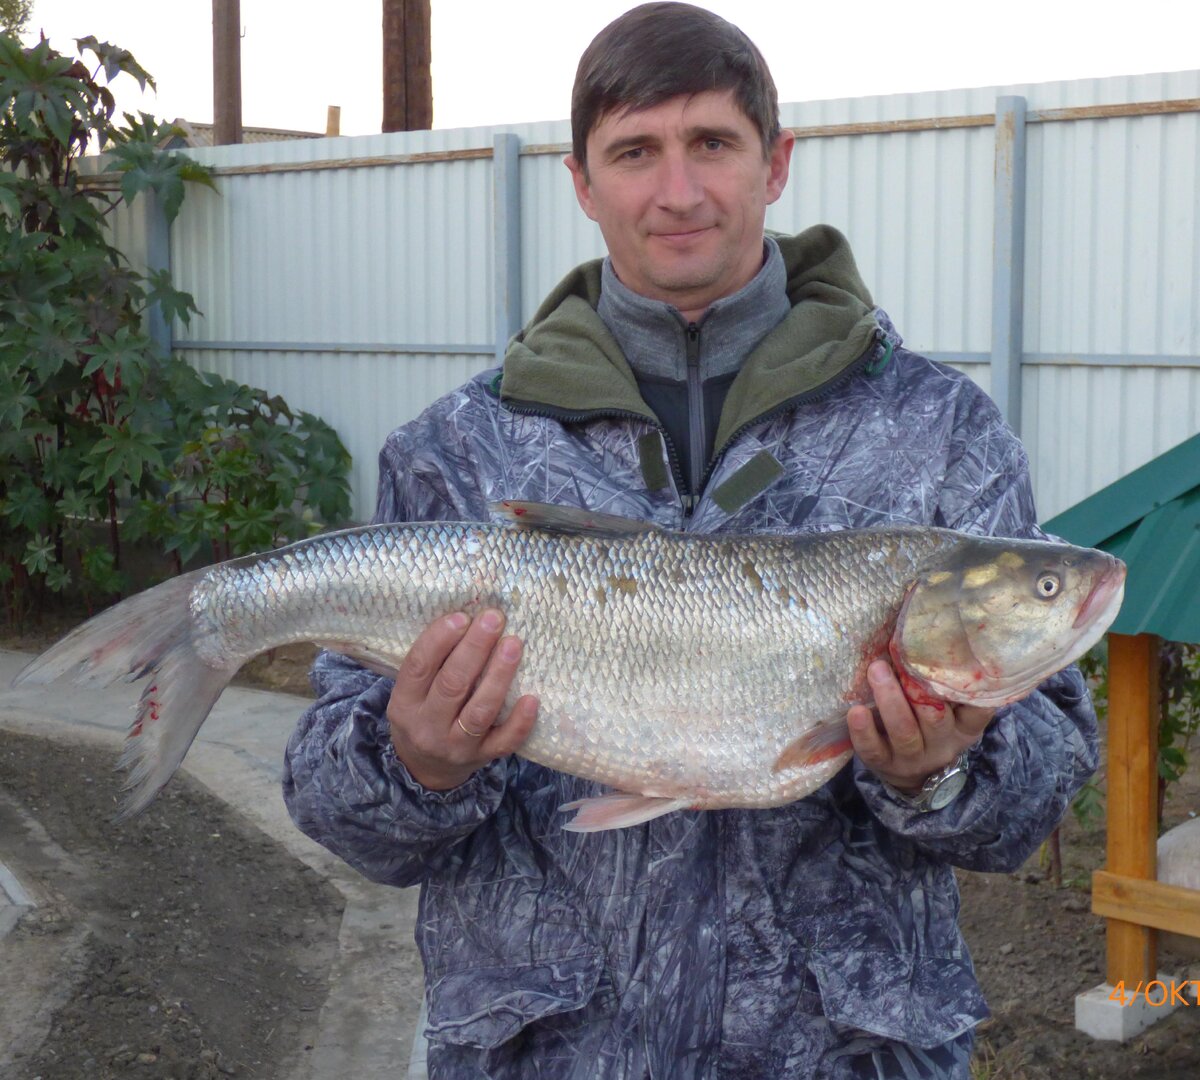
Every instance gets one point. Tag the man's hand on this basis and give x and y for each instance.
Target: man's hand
(909, 743)
(449, 691)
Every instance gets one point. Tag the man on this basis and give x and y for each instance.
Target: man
(706, 378)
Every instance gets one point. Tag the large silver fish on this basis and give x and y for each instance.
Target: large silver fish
(685, 671)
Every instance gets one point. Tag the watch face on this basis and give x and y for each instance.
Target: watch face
(947, 791)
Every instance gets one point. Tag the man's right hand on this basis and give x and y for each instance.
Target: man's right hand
(449, 691)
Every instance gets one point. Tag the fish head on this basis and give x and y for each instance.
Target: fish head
(995, 618)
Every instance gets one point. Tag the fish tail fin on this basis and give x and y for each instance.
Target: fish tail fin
(822, 743)
(619, 810)
(150, 634)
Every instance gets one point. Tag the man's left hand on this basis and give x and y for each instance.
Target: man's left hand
(909, 743)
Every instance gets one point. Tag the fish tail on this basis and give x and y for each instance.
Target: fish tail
(151, 634)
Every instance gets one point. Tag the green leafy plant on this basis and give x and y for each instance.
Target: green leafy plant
(1178, 724)
(242, 472)
(14, 14)
(1088, 805)
(1179, 689)
(101, 436)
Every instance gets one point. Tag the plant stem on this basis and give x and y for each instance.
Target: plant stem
(1054, 842)
(114, 533)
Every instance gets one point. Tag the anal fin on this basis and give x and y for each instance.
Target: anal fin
(619, 811)
(360, 654)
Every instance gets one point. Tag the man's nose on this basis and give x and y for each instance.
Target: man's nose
(679, 187)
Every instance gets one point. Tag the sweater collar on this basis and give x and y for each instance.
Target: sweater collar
(652, 333)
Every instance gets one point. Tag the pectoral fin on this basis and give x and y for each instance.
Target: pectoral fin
(822, 743)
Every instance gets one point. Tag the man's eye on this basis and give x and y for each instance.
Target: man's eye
(634, 154)
(714, 144)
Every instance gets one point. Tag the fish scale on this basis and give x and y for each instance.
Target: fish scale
(706, 671)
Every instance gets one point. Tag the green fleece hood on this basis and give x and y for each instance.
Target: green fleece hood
(567, 362)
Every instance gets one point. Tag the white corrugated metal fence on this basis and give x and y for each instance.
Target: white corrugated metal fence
(362, 277)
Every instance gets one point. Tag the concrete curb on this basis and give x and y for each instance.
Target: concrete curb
(14, 900)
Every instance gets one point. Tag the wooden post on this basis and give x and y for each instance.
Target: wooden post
(333, 120)
(1132, 814)
(227, 72)
(407, 82)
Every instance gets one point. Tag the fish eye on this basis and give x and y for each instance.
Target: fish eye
(1048, 585)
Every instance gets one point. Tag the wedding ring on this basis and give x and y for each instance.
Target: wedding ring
(473, 734)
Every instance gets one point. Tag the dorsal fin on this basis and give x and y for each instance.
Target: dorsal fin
(536, 515)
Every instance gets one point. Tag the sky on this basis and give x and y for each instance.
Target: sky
(497, 63)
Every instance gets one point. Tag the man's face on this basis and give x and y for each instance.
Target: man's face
(680, 192)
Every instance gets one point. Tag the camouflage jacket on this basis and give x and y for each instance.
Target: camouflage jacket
(818, 939)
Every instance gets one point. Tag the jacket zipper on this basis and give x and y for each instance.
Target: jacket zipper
(697, 436)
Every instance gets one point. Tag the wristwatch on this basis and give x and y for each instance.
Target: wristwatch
(940, 789)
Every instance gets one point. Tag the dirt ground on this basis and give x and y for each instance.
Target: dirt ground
(1035, 947)
(160, 985)
(189, 946)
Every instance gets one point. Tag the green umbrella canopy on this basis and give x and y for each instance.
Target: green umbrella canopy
(1151, 519)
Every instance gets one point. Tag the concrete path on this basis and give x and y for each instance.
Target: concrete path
(367, 1025)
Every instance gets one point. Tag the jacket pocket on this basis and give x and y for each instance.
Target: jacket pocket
(923, 1001)
(485, 1007)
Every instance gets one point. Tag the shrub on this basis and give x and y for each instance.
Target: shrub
(96, 426)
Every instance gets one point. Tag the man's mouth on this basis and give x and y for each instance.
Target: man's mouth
(682, 236)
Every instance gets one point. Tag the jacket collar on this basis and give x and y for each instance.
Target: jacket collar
(567, 363)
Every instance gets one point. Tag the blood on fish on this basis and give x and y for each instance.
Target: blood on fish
(913, 689)
(151, 706)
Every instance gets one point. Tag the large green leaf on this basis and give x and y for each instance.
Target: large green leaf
(121, 454)
(114, 60)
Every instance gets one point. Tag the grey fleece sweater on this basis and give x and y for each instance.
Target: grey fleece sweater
(684, 370)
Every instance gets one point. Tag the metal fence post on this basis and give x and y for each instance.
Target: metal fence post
(1008, 259)
(506, 242)
(158, 257)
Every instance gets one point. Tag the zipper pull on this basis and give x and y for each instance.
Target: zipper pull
(693, 344)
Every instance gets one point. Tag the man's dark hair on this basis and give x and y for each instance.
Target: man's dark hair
(658, 51)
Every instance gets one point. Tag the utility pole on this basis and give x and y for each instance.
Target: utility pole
(227, 72)
(407, 84)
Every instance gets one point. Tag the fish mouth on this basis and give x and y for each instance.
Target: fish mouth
(1098, 602)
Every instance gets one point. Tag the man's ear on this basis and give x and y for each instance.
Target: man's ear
(780, 161)
(583, 191)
